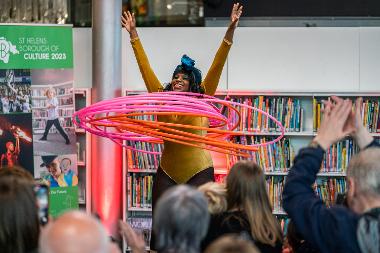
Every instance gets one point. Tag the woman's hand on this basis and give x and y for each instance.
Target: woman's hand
(128, 21)
(236, 12)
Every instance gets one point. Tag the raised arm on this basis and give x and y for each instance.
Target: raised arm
(211, 80)
(151, 81)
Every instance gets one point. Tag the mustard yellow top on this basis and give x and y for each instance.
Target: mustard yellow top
(181, 162)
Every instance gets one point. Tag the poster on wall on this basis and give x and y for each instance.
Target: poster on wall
(36, 105)
(53, 107)
(60, 173)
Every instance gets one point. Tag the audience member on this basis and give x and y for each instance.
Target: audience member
(249, 210)
(296, 241)
(338, 229)
(216, 195)
(232, 244)
(180, 221)
(75, 232)
(19, 224)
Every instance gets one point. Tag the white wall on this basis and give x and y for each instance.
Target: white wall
(82, 40)
(261, 59)
(370, 59)
(165, 47)
(295, 59)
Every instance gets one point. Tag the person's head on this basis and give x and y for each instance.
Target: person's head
(19, 223)
(10, 146)
(50, 93)
(186, 77)
(180, 220)
(51, 162)
(74, 232)
(216, 195)
(294, 238)
(363, 176)
(232, 243)
(246, 190)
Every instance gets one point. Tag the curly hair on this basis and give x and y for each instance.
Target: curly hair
(187, 67)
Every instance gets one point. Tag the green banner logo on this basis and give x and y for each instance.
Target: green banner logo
(35, 47)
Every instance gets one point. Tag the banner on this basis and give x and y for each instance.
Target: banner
(36, 47)
(36, 105)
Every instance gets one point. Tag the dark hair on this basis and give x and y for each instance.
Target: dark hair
(19, 224)
(296, 241)
(187, 67)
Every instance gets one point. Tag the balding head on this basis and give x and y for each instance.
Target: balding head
(74, 232)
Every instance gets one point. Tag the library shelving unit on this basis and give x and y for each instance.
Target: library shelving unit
(64, 93)
(300, 114)
(82, 98)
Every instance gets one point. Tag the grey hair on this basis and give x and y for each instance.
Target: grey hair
(364, 168)
(181, 220)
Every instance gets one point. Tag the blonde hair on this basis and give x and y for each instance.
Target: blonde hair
(216, 195)
(232, 243)
(246, 190)
(51, 90)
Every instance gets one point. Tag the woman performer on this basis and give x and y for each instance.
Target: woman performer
(181, 163)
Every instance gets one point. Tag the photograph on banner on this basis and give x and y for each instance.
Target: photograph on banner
(60, 173)
(16, 143)
(57, 171)
(53, 107)
(15, 91)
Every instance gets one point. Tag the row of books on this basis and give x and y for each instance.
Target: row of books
(285, 109)
(64, 112)
(337, 157)
(143, 226)
(140, 190)
(140, 160)
(370, 114)
(64, 91)
(328, 189)
(41, 123)
(40, 92)
(66, 101)
(277, 157)
(275, 186)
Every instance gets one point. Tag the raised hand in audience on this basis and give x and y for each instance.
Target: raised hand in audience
(134, 240)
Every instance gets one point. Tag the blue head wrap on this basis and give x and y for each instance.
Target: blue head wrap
(187, 66)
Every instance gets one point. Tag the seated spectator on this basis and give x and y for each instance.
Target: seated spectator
(338, 229)
(75, 232)
(19, 224)
(216, 195)
(232, 244)
(180, 221)
(249, 210)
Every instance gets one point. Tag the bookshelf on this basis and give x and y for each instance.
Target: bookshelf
(300, 115)
(82, 98)
(64, 94)
(276, 159)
